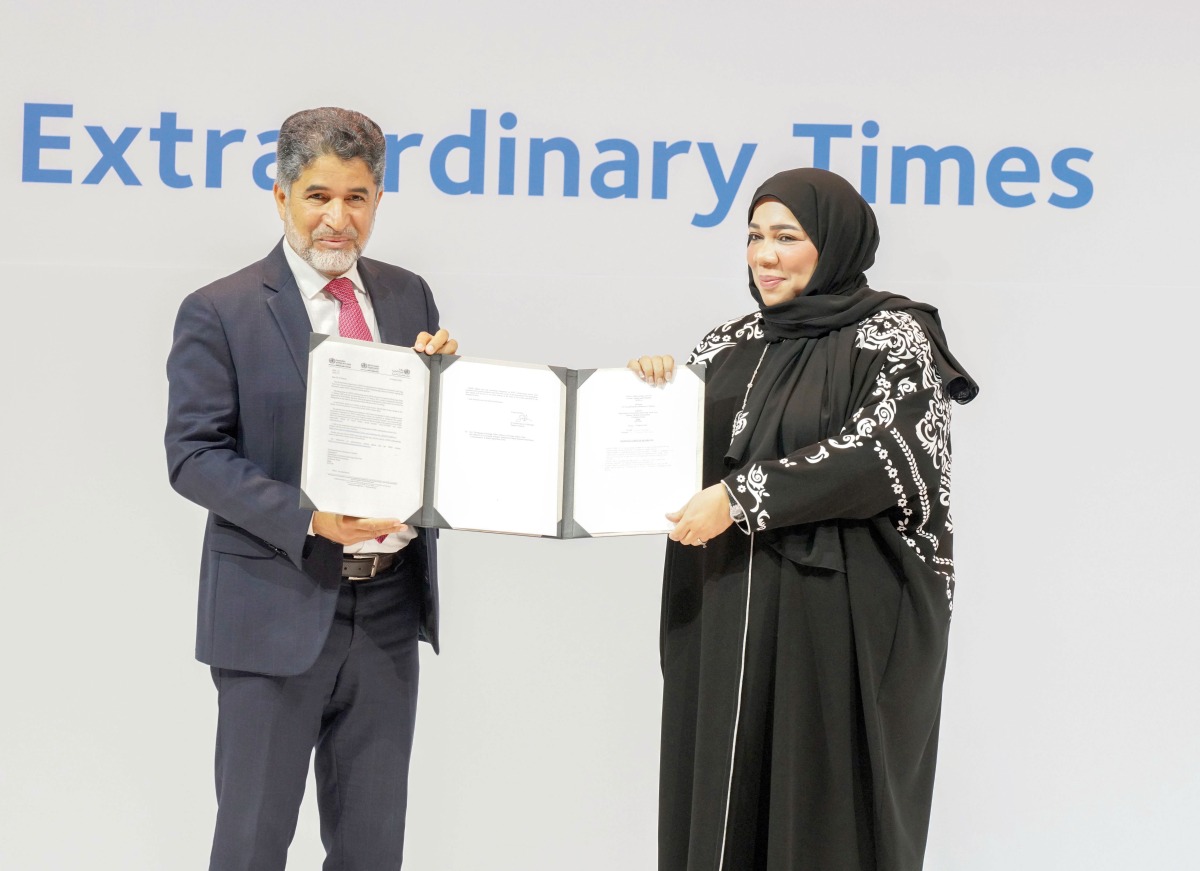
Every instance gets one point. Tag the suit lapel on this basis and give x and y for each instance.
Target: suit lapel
(383, 301)
(285, 303)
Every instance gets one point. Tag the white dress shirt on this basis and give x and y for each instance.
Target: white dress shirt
(323, 311)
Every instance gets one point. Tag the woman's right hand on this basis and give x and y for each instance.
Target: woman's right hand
(657, 370)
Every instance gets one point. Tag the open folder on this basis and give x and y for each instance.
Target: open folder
(494, 446)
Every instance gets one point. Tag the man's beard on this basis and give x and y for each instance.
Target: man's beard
(329, 262)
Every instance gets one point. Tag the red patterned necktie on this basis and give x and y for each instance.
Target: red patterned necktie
(351, 323)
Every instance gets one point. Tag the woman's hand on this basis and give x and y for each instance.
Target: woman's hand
(705, 516)
(656, 370)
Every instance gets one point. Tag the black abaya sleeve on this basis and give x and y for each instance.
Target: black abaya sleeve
(892, 455)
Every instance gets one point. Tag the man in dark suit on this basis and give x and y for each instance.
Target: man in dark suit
(309, 620)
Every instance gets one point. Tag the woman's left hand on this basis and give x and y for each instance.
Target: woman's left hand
(705, 516)
(655, 371)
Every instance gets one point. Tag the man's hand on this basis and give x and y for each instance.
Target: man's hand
(705, 516)
(439, 344)
(345, 529)
(656, 370)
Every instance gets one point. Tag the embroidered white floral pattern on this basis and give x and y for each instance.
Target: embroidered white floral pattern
(904, 425)
(898, 335)
(725, 336)
(755, 482)
(914, 458)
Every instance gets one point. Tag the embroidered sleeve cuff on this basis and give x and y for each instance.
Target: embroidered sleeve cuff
(736, 512)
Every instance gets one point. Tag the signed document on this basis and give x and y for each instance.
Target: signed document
(364, 433)
(495, 446)
(637, 450)
(499, 447)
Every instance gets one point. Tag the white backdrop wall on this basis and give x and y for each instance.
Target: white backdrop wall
(1069, 734)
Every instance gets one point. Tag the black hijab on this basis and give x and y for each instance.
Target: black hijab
(808, 385)
(842, 226)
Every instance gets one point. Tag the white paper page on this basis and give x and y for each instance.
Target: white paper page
(364, 429)
(499, 447)
(637, 450)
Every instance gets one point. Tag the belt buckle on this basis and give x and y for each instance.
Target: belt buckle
(374, 558)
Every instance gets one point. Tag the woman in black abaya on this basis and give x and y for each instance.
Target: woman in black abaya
(803, 651)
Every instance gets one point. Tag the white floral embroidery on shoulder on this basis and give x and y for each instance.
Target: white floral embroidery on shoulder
(899, 335)
(726, 336)
(922, 525)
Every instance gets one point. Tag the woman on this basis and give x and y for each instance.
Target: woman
(803, 652)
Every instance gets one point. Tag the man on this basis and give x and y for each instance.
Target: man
(309, 620)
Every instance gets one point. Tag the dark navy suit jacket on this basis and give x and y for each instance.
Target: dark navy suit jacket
(237, 372)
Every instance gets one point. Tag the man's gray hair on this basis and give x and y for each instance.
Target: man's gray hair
(313, 133)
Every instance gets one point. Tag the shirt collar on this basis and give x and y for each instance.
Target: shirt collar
(310, 281)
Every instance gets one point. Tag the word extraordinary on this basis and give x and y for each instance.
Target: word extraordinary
(463, 163)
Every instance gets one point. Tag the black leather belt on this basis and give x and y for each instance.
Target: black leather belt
(368, 565)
